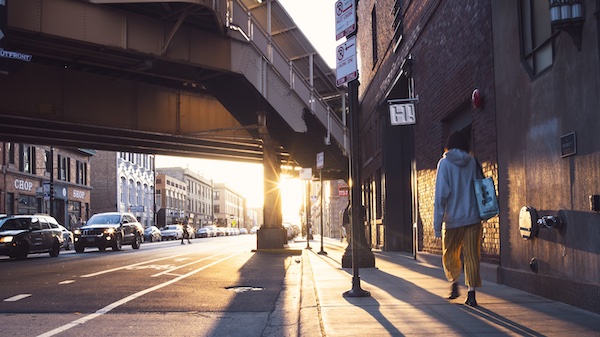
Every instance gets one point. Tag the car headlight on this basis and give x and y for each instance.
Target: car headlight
(6, 239)
(77, 232)
(109, 230)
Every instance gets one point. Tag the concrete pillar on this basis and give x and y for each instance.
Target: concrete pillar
(271, 235)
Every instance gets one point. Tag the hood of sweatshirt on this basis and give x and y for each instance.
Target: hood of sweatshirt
(458, 157)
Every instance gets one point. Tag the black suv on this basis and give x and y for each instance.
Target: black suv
(21, 235)
(112, 229)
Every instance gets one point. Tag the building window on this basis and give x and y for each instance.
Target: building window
(27, 158)
(131, 192)
(48, 161)
(28, 205)
(81, 172)
(140, 194)
(536, 35)
(374, 33)
(63, 168)
(11, 153)
(123, 189)
(397, 25)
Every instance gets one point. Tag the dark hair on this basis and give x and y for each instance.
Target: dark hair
(458, 140)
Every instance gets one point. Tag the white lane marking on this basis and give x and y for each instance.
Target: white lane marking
(66, 282)
(129, 298)
(144, 262)
(185, 265)
(130, 266)
(17, 297)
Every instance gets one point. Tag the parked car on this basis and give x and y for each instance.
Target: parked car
(221, 231)
(172, 232)
(152, 234)
(212, 230)
(68, 238)
(203, 232)
(253, 230)
(110, 229)
(243, 231)
(21, 235)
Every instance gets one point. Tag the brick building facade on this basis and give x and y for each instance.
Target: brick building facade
(533, 131)
(436, 60)
(46, 179)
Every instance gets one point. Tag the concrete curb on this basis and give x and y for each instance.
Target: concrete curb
(311, 322)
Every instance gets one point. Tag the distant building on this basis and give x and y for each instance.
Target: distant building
(228, 207)
(171, 196)
(199, 204)
(46, 179)
(123, 182)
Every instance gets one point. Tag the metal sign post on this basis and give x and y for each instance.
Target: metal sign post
(348, 74)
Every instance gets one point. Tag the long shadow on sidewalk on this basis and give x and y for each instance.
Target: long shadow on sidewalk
(412, 304)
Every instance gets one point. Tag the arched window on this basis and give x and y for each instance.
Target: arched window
(123, 189)
(131, 192)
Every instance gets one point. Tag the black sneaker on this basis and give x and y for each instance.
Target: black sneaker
(453, 291)
(471, 299)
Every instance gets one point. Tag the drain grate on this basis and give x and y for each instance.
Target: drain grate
(243, 289)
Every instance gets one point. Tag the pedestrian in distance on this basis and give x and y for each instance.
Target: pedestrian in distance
(455, 207)
(345, 222)
(186, 234)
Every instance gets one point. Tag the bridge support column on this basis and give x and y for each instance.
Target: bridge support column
(271, 235)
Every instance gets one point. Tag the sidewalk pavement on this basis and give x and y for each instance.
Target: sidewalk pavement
(407, 299)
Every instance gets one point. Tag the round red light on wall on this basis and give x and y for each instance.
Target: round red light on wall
(476, 99)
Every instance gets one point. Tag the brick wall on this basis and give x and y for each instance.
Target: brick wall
(451, 47)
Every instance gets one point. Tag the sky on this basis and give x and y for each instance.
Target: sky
(316, 19)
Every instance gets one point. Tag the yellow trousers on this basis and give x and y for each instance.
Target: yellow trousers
(466, 239)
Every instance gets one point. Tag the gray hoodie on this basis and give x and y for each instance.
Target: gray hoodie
(454, 202)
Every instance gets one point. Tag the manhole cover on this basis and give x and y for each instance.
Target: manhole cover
(243, 289)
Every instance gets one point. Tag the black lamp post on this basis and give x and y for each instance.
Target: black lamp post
(568, 16)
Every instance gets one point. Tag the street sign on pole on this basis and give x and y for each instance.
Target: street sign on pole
(306, 173)
(320, 160)
(345, 18)
(346, 67)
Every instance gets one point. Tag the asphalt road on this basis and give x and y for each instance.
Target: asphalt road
(212, 287)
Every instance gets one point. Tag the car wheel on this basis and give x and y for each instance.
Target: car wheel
(118, 243)
(137, 242)
(55, 249)
(22, 251)
(79, 248)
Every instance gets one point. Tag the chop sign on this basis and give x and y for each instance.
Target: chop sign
(23, 185)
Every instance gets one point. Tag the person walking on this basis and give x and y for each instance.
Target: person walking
(186, 234)
(455, 206)
(345, 222)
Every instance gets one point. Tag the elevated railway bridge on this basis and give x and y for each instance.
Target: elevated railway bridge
(217, 79)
